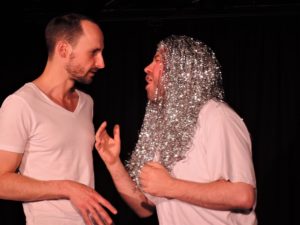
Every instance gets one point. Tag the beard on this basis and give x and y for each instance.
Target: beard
(79, 74)
(82, 79)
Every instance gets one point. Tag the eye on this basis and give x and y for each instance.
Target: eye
(157, 59)
(94, 52)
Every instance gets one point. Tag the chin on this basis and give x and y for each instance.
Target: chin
(151, 98)
(84, 81)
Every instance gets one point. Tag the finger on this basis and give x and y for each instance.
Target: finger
(117, 133)
(107, 204)
(103, 215)
(146, 172)
(142, 184)
(94, 216)
(146, 167)
(86, 218)
(142, 170)
(101, 129)
(142, 175)
(154, 164)
(99, 144)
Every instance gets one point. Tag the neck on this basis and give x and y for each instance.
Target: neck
(54, 81)
(58, 88)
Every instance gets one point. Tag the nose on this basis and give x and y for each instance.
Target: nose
(99, 61)
(148, 68)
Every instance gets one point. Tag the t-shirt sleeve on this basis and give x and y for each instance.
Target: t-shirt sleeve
(228, 146)
(15, 124)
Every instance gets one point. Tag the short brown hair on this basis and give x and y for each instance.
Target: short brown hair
(67, 27)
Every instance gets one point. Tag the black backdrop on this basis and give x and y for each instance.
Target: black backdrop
(260, 56)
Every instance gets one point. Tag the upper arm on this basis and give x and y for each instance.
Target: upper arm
(15, 124)
(228, 144)
(9, 161)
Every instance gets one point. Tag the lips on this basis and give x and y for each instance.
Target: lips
(148, 78)
(93, 70)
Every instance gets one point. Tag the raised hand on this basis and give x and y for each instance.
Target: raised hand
(89, 203)
(155, 179)
(108, 147)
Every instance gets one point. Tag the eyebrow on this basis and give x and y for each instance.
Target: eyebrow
(156, 56)
(95, 50)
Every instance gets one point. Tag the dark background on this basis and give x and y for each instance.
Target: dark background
(256, 42)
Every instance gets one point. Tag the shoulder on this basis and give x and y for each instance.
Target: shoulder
(20, 97)
(217, 109)
(219, 114)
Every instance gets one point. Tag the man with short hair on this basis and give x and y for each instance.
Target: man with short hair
(47, 132)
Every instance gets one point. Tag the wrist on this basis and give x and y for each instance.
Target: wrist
(115, 165)
(117, 169)
(63, 188)
(52, 189)
(172, 188)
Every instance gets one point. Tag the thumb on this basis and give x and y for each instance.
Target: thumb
(155, 164)
(100, 129)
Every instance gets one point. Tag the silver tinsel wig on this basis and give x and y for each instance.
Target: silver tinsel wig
(191, 76)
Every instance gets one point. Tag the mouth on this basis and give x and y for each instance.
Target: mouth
(91, 74)
(93, 71)
(148, 78)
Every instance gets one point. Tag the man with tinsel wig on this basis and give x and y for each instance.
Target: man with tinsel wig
(193, 159)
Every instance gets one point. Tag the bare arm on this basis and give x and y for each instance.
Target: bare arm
(219, 195)
(129, 192)
(109, 151)
(15, 186)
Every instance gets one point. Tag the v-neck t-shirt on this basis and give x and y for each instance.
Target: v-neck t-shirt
(56, 144)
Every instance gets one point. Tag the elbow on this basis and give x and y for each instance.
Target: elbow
(247, 198)
(145, 212)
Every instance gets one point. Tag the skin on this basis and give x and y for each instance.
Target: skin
(109, 150)
(67, 65)
(218, 195)
(153, 76)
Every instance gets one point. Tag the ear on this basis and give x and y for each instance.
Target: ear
(63, 49)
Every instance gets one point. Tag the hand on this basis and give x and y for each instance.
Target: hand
(108, 147)
(155, 179)
(89, 203)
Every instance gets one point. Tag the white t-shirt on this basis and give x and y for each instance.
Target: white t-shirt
(56, 144)
(221, 149)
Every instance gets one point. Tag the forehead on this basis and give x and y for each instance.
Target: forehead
(92, 34)
(161, 52)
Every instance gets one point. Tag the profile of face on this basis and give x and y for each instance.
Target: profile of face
(154, 73)
(86, 57)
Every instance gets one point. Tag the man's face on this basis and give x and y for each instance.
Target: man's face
(86, 57)
(153, 78)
